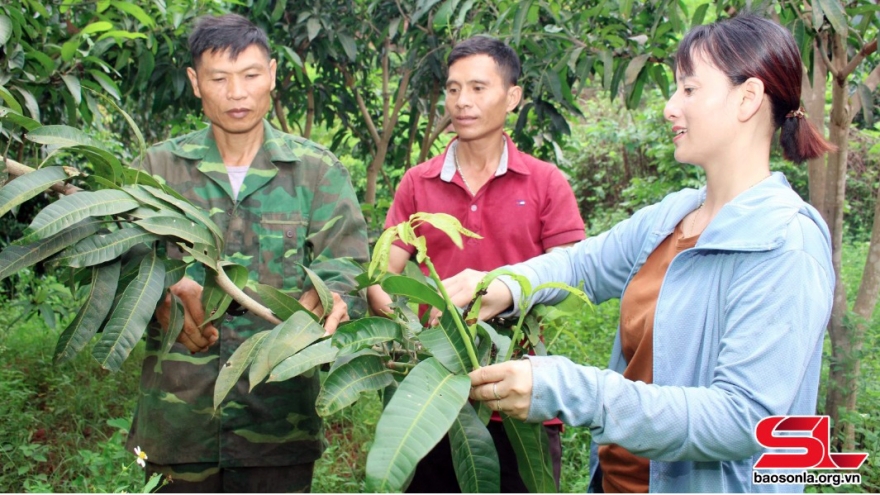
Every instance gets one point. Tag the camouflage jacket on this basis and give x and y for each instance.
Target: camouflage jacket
(291, 190)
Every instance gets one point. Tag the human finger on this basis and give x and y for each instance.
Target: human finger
(312, 302)
(336, 316)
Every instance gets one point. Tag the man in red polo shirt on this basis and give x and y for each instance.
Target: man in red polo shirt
(521, 206)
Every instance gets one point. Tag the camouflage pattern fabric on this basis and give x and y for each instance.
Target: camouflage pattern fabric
(292, 189)
(208, 478)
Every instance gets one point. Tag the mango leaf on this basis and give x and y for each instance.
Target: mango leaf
(100, 248)
(189, 210)
(136, 12)
(203, 253)
(169, 336)
(63, 136)
(214, 299)
(344, 385)
(25, 187)
(416, 418)
(74, 86)
(97, 27)
(91, 315)
(235, 366)
(142, 147)
(473, 454)
(129, 319)
(14, 258)
(414, 290)
(379, 264)
(314, 355)
(835, 14)
(501, 342)
(74, 208)
(324, 293)
(280, 303)
(174, 271)
(364, 332)
(175, 226)
(530, 444)
(443, 16)
(286, 339)
(5, 29)
(446, 345)
(571, 290)
(29, 101)
(108, 84)
(447, 223)
(12, 103)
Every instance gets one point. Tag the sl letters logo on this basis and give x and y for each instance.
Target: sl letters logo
(811, 435)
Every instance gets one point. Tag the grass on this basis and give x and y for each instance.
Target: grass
(64, 427)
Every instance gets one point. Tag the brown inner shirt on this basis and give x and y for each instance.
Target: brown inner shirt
(623, 471)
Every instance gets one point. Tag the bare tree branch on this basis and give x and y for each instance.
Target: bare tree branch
(864, 52)
(18, 169)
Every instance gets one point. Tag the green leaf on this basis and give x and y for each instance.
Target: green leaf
(189, 210)
(10, 101)
(867, 98)
(280, 303)
(313, 26)
(416, 418)
(443, 17)
(285, 340)
(74, 86)
(314, 355)
(97, 27)
(169, 336)
(699, 15)
(414, 290)
(91, 315)
(14, 258)
(445, 343)
(324, 293)
(63, 136)
(136, 12)
(68, 49)
(379, 264)
(5, 29)
(214, 299)
(74, 208)
(106, 83)
(835, 14)
(174, 271)
(129, 319)
(473, 454)
(634, 68)
(571, 290)
(446, 223)
(530, 444)
(179, 227)
(100, 248)
(522, 13)
(10, 115)
(203, 253)
(343, 386)
(365, 332)
(142, 147)
(235, 366)
(348, 45)
(30, 102)
(25, 187)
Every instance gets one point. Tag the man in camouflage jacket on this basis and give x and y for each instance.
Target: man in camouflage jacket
(274, 216)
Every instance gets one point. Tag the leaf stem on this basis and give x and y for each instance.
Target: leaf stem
(228, 286)
(465, 335)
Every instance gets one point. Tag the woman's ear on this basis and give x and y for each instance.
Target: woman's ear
(752, 97)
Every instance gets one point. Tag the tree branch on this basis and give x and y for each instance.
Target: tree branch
(349, 81)
(18, 169)
(866, 50)
(279, 112)
(823, 50)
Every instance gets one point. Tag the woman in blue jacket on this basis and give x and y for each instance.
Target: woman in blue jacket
(725, 291)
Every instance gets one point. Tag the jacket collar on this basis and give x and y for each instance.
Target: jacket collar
(443, 166)
(756, 220)
(197, 145)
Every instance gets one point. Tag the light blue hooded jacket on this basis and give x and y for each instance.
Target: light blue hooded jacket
(738, 334)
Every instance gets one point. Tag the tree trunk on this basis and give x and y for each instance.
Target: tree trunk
(813, 94)
(841, 387)
(373, 171)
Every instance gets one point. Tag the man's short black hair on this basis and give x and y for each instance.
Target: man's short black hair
(503, 55)
(226, 32)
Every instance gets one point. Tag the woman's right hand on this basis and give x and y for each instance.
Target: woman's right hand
(461, 288)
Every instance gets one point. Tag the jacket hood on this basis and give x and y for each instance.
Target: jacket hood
(756, 220)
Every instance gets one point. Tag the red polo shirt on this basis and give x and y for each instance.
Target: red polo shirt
(521, 212)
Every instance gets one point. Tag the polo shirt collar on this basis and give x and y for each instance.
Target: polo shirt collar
(447, 170)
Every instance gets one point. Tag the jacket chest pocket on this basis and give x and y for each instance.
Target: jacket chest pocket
(282, 239)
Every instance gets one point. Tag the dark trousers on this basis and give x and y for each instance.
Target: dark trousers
(209, 478)
(435, 473)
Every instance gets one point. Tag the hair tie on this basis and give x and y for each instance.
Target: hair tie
(796, 114)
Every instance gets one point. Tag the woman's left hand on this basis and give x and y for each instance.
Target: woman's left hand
(505, 387)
